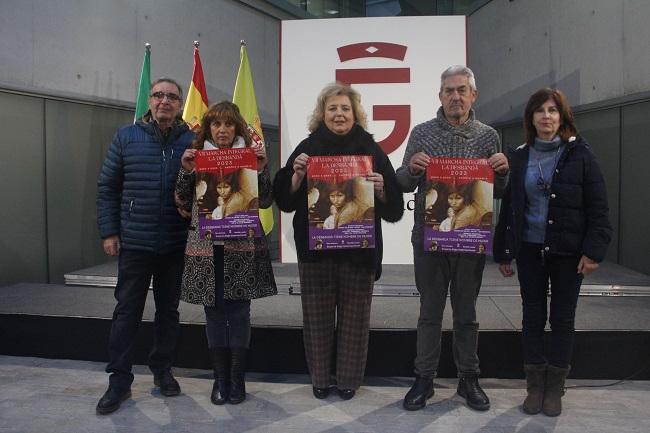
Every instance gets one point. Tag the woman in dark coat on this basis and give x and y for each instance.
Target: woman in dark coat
(337, 283)
(224, 276)
(554, 222)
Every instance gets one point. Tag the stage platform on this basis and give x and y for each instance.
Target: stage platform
(73, 321)
(398, 280)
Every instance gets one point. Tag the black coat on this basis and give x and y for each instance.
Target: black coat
(322, 142)
(577, 222)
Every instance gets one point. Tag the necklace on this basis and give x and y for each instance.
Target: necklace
(542, 183)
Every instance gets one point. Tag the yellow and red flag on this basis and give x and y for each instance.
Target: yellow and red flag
(196, 103)
(244, 98)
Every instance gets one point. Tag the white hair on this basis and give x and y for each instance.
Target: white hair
(458, 70)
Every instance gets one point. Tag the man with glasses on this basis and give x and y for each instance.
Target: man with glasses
(453, 133)
(138, 222)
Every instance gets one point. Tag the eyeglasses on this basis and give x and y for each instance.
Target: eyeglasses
(542, 185)
(161, 95)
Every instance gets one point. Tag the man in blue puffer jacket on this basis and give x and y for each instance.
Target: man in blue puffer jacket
(138, 221)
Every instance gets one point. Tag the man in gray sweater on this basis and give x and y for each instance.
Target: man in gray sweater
(453, 133)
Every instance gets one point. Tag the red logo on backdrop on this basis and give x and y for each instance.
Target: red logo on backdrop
(400, 114)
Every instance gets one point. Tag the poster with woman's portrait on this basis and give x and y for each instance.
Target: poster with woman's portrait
(226, 192)
(340, 202)
(458, 205)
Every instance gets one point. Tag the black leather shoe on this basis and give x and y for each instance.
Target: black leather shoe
(346, 394)
(169, 387)
(321, 393)
(471, 391)
(112, 399)
(420, 392)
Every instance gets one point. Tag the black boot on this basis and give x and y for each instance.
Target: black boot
(237, 370)
(420, 392)
(469, 389)
(220, 357)
(112, 399)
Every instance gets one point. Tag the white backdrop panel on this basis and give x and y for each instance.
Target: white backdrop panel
(309, 61)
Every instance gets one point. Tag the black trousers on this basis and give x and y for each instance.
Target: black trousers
(135, 271)
(535, 271)
(228, 323)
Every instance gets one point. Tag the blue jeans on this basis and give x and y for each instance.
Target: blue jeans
(535, 272)
(135, 271)
(460, 275)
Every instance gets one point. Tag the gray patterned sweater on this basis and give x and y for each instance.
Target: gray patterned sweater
(438, 138)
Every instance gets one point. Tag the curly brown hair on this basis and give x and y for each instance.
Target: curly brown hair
(225, 111)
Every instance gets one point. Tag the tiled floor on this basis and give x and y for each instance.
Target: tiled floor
(41, 395)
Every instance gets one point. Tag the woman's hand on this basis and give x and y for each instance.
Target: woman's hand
(299, 171)
(586, 265)
(378, 184)
(506, 269)
(183, 213)
(262, 159)
(187, 160)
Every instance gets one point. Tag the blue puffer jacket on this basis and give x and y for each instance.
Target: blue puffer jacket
(135, 188)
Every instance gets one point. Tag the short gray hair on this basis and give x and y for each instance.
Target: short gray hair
(170, 81)
(458, 70)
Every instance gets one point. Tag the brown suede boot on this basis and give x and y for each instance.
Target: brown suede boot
(554, 390)
(535, 379)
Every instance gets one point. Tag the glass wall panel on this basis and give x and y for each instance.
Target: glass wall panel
(77, 139)
(511, 137)
(601, 129)
(23, 249)
(635, 193)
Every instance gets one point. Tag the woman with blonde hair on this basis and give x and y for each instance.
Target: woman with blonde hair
(336, 285)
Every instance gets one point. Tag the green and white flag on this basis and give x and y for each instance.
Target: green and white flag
(142, 99)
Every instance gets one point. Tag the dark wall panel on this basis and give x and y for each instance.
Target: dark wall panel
(635, 192)
(23, 254)
(77, 138)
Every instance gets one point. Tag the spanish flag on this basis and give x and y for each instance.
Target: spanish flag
(196, 103)
(244, 97)
(142, 100)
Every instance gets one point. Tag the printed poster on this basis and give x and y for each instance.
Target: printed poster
(341, 202)
(458, 205)
(226, 191)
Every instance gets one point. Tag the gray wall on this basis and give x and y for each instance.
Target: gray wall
(593, 50)
(93, 49)
(68, 80)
